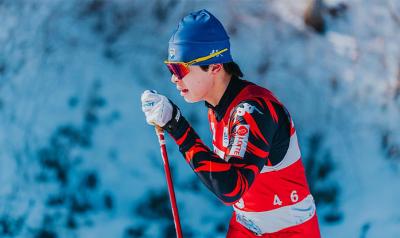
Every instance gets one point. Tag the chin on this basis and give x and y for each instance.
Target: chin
(191, 100)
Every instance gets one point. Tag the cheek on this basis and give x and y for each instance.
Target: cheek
(198, 88)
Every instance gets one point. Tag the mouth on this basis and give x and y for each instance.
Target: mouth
(183, 91)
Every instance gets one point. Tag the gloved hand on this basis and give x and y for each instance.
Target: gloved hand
(157, 108)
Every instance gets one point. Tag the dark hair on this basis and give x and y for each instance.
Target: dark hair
(231, 68)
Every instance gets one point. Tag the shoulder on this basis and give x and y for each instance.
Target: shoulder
(259, 109)
(248, 106)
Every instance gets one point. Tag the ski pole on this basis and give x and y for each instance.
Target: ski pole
(161, 140)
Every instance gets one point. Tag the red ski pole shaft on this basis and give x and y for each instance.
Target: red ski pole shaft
(161, 139)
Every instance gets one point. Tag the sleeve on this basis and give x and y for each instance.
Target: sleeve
(252, 127)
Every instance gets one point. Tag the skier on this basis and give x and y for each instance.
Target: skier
(255, 165)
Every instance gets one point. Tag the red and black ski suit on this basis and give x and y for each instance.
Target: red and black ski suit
(255, 165)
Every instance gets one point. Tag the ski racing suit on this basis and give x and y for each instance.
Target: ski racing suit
(255, 164)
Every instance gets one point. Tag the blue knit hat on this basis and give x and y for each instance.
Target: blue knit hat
(199, 34)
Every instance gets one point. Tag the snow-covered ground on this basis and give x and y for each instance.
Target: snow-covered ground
(78, 160)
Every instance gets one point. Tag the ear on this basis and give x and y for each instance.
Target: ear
(215, 68)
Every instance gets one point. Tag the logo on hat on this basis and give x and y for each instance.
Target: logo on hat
(215, 51)
(172, 53)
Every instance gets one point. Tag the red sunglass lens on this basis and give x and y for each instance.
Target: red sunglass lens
(179, 70)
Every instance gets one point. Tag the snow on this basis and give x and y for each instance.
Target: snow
(56, 57)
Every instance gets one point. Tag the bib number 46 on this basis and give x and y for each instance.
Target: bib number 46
(294, 197)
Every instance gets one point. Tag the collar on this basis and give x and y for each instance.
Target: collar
(233, 89)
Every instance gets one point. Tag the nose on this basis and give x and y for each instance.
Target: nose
(174, 79)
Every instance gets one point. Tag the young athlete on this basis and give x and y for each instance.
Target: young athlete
(255, 165)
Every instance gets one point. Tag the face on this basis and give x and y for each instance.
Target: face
(195, 85)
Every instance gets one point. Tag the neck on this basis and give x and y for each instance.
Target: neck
(217, 91)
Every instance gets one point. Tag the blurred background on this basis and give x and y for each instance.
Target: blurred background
(78, 160)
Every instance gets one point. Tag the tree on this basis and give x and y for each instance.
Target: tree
(313, 16)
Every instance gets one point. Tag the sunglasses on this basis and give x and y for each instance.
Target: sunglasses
(181, 69)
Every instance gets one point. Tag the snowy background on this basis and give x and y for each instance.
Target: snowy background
(78, 160)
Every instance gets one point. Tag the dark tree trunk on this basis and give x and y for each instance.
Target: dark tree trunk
(313, 16)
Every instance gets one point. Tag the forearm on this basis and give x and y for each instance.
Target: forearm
(227, 180)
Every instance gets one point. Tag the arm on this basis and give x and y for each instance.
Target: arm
(250, 138)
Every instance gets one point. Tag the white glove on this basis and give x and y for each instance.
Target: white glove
(157, 108)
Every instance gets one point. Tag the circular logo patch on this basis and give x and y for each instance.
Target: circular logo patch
(242, 131)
